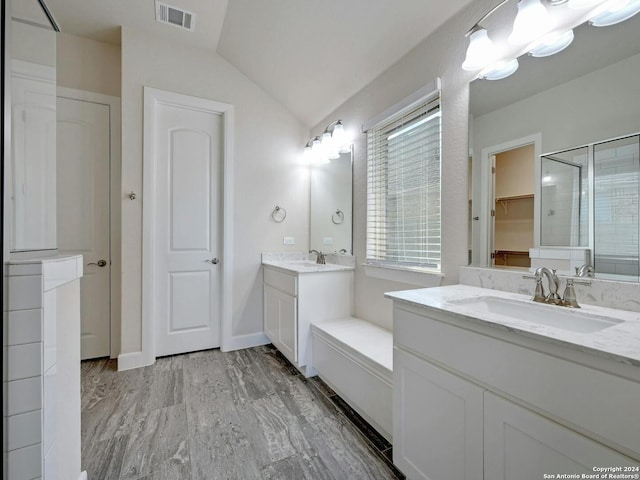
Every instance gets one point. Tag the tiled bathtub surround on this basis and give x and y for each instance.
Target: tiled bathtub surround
(604, 293)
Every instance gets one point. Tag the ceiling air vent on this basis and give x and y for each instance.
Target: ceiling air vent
(175, 16)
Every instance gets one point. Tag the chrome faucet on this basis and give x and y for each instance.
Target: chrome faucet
(586, 270)
(554, 283)
(568, 298)
(319, 257)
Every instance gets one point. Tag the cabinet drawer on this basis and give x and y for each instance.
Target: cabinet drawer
(281, 281)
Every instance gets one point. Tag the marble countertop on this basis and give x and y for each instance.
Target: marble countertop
(305, 266)
(301, 262)
(619, 342)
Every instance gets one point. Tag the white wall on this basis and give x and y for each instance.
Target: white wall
(267, 169)
(88, 65)
(440, 55)
(570, 114)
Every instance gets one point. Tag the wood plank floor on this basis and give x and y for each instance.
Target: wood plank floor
(210, 415)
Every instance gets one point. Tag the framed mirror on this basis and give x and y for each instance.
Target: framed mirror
(331, 224)
(32, 186)
(583, 95)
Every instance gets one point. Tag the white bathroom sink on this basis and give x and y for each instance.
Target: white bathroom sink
(550, 315)
(306, 266)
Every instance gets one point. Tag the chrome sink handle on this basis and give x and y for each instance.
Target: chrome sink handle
(569, 298)
(538, 294)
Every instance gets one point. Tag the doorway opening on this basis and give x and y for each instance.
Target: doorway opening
(513, 206)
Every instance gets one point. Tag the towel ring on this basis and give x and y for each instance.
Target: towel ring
(337, 217)
(279, 214)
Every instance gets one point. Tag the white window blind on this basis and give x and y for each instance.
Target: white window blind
(403, 188)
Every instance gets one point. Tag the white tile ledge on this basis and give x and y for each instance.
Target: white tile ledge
(422, 277)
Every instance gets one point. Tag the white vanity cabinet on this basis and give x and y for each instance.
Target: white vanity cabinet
(475, 402)
(281, 320)
(294, 300)
(519, 443)
(437, 424)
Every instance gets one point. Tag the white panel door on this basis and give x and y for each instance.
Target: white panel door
(188, 152)
(83, 158)
(33, 195)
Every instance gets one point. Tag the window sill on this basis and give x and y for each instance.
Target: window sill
(422, 277)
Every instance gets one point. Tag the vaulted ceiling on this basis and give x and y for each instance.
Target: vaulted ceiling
(309, 55)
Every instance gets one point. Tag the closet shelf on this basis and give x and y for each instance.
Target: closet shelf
(514, 197)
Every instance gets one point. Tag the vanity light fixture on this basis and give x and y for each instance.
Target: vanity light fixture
(500, 70)
(579, 4)
(531, 22)
(615, 11)
(533, 27)
(552, 44)
(328, 146)
(481, 51)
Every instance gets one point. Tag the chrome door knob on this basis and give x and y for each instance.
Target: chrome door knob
(100, 263)
(213, 261)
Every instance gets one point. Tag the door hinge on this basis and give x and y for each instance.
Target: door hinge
(493, 213)
(493, 255)
(493, 169)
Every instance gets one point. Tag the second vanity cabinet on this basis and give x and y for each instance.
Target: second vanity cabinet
(472, 404)
(293, 300)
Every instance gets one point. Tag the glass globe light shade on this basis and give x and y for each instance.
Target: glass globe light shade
(480, 52)
(552, 44)
(615, 11)
(500, 70)
(532, 22)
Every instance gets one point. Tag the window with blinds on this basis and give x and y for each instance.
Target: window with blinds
(403, 188)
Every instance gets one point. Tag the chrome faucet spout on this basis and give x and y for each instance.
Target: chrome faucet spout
(585, 270)
(553, 281)
(319, 257)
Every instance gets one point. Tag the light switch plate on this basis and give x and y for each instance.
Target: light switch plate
(289, 240)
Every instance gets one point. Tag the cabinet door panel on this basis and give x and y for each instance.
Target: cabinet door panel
(271, 320)
(437, 421)
(520, 444)
(288, 327)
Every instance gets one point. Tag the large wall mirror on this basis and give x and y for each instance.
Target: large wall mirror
(533, 137)
(32, 185)
(331, 205)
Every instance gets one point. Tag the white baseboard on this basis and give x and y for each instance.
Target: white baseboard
(83, 476)
(245, 341)
(127, 361)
